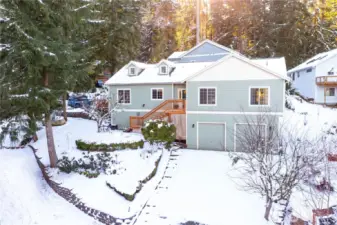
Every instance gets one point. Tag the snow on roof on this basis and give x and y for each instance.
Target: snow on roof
(176, 55)
(139, 64)
(150, 74)
(314, 61)
(277, 65)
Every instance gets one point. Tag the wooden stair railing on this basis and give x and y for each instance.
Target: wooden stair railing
(166, 108)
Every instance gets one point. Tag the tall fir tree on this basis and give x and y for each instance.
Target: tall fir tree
(43, 56)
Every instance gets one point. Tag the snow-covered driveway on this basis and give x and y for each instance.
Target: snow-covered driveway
(199, 189)
(25, 198)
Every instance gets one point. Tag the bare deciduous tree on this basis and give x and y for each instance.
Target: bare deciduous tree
(102, 108)
(277, 157)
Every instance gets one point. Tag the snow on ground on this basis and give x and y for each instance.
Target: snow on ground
(25, 198)
(310, 118)
(201, 190)
(134, 165)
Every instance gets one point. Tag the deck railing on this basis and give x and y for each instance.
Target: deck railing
(326, 80)
(165, 109)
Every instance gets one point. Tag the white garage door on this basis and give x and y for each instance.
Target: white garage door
(211, 136)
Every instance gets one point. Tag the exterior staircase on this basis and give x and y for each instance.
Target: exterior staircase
(162, 112)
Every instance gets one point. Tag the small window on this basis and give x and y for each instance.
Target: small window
(163, 69)
(132, 71)
(259, 96)
(293, 76)
(330, 92)
(298, 74)
(207, 96)
(309, 70)
(124, 96)
(157, 94)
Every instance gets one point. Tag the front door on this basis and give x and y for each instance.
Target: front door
(181, 93)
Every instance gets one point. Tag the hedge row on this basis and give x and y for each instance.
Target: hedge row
(141, 183)
(93, 146)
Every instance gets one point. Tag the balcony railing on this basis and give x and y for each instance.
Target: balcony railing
(326, 80)
(166, 108)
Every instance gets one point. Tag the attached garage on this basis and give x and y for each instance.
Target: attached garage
(211, 136)
(246, 135)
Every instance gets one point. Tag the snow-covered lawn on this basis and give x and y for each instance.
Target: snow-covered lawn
(201, 190)
(25, 198)
(132, 166)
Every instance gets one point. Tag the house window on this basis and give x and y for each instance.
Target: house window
(132, 71)
(309, 70)
(157, 94)
(298, 74)
(330, 92)
(124, 96)
(207, 96)
(259, 96)
(163, 69)
(293, 76)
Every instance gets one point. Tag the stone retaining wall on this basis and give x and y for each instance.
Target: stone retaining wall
(73, 199)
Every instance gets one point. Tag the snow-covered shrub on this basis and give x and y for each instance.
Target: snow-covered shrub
(90, 165)
(93, 146)
(158, 131)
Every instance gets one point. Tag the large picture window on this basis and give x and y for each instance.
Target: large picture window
(157, 94)
(207, 96)
(259, 96)
(124, 96)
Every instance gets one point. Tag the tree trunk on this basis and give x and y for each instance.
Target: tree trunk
(49, 128)
(64, 105)
(268, 208)
(50, 141)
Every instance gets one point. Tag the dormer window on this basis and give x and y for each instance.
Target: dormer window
(132, 71)
(163, 69)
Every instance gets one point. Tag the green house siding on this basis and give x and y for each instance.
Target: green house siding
(205, 129)
(233, 96)
(141, 101)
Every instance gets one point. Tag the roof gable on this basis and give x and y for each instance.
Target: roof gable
(236, 68)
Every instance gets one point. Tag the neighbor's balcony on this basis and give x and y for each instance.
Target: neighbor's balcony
(326, 80)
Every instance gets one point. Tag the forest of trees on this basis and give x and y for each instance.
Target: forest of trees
(47, 47)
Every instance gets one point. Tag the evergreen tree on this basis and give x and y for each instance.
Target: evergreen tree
(116, 32)
(43, 56)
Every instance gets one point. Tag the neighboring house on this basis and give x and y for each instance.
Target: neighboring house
(205, 92)
(316, 78)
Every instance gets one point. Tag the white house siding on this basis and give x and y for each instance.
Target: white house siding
(320, 96)
(304, 82)
(323, 68)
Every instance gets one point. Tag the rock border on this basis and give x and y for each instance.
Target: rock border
(76, 201)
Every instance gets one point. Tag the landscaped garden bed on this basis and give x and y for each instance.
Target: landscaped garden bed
(82, 145)
(86, 173)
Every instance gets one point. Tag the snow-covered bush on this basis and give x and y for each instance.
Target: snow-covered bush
(158, 131)
(90, 166)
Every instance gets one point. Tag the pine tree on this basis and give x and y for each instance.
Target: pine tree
(42, 58)
(116, 37)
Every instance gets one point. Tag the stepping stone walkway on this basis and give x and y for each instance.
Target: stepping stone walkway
(148, 214)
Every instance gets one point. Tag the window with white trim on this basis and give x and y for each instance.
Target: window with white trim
(259, 96)
(132, 71)
(330, 92)
(163, 69)
(207, 96)
(124, 96)
(157, 94)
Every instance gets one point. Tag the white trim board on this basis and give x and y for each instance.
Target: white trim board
(234, 113)
(223, 123)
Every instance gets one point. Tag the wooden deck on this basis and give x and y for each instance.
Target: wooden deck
(327, 81)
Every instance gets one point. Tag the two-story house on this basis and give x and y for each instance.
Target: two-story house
(316, 78)
(205, 92)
